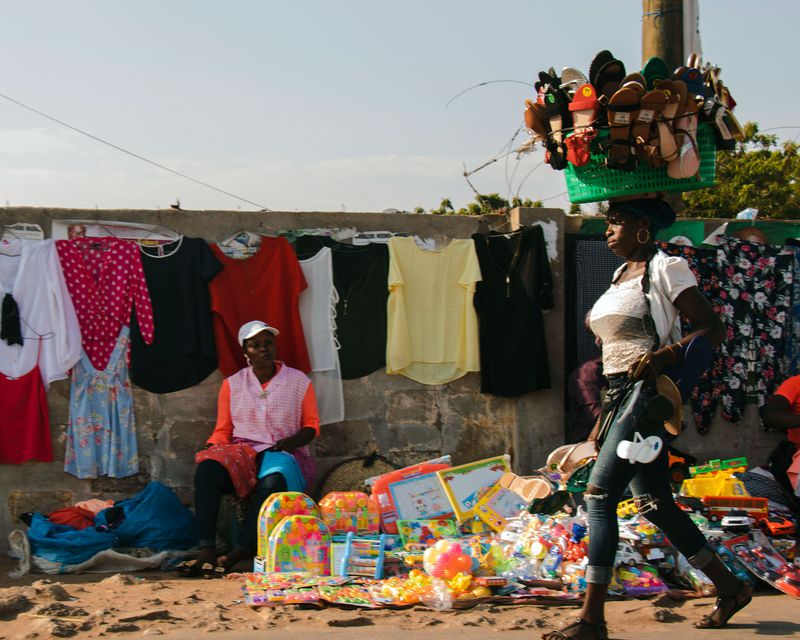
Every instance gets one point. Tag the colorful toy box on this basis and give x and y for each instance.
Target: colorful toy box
(350, 512)
(277, 507)
(359, 557)
(300, 543)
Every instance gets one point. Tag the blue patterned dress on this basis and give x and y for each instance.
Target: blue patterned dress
(101, 433)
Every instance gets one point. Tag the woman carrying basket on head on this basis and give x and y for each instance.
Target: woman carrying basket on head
(637, 320)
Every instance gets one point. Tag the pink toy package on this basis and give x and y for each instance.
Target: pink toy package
(350, 512)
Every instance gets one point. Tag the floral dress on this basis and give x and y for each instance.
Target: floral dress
(101, 433)
(750, 287)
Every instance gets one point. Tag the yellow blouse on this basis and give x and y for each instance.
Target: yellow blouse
(432, 324)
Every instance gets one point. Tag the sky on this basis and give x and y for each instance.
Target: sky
(324, 106)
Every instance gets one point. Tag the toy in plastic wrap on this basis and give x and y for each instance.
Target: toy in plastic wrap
(463, 484)
(446, 559)
(277, 507)
(350, 511)
(300, 543)
(640, 581)
(756, 553)
(424, 533)
(736, 567)
(381, 491)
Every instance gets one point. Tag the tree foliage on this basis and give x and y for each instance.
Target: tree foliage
(484, 204)
(759, 173)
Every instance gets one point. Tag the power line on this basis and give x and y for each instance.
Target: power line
(132, 154)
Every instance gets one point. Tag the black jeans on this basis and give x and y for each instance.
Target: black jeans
(211, 482)
(611, 475)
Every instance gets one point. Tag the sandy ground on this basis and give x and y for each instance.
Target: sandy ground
(155, 603)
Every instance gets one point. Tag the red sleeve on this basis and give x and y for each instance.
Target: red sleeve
(790, 389)
(141, 297)
(223, 431)
(294, 340)
(310, 415)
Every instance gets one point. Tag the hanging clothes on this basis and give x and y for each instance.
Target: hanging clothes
(432, 323)
(360, 273)
(793, 332)
(183, 355)
(267, 287)
(24, 417)
(31, 273)
(106, 282)
(101, 432)
(516, 286)
(318, 314)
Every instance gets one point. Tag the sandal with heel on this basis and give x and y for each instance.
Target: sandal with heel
(600, 631)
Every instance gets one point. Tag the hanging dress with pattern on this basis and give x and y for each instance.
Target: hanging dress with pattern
(101, 434)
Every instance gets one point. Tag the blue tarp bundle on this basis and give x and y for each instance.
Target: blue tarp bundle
(154, 519)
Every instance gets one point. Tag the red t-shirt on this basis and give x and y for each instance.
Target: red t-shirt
(266, 286)
(790, 390)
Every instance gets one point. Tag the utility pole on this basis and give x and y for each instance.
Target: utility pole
(662, 36)
(662, 31)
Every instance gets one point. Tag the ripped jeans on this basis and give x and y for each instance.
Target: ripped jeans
(648, 482)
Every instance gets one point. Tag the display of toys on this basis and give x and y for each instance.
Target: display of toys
(640, 580)
(361, 557)
(679, 464)
(627, 508)
(350, 511)
(755, 552)
(446, 559)
(775, 525)
(463, 483)
(277, 507)
(300, 543)
(789, 583)
(737, 521)
(382, 493)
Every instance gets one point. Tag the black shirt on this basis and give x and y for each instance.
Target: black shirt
(360, 275)
(182, 353)
(516, 286)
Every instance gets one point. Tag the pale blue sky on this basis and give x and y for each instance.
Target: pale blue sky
(319, 105)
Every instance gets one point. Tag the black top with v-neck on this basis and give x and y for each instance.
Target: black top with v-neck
(183, 352)
(516, 286)
(360, 275)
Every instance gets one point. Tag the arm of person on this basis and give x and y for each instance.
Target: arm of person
(777, 414)
(694, 306)
(309, 419)
(223, 431)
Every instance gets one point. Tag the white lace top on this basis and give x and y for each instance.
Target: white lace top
(620, 318)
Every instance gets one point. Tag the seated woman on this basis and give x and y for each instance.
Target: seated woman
(267, 406)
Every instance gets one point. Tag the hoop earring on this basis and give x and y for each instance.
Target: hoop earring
(646, 240)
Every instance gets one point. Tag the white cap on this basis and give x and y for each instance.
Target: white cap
(249, 329)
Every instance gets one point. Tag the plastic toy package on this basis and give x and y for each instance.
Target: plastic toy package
(350, 511)
(756, 553)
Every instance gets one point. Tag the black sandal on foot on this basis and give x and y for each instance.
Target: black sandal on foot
(210, 571)
(600, 630)
(708, 622)
(189, 569)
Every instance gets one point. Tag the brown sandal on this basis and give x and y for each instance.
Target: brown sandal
(708, 622)
(600, 631)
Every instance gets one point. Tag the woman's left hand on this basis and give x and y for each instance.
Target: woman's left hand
(293, 442)
(647, 368)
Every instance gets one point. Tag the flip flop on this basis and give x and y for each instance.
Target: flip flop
(687, 164)
(645, 132)
(623, 110)
(635, 81)
(189, 569)
(571, 80)
(584, 107)
(210, 571)
(600, 59)
(655, 71)
(528, 488)
(540, 123)
(609, 78)
(693, 80)
(532, 123)
(666, 137)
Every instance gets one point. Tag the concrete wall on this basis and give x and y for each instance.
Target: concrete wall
(398, 417)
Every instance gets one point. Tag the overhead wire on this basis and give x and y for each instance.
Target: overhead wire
(132, 154)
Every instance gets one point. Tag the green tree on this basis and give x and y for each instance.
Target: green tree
(759, 173)
(484, 204)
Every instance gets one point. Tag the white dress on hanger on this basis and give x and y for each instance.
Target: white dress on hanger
(318, 315)
(31, 272)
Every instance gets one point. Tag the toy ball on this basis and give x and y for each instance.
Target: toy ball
(445, 559)
(481, 592)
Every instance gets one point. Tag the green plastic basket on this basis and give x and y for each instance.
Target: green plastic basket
(594, 181)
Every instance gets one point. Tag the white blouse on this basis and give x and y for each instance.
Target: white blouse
(318, 315)
(31, 272)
